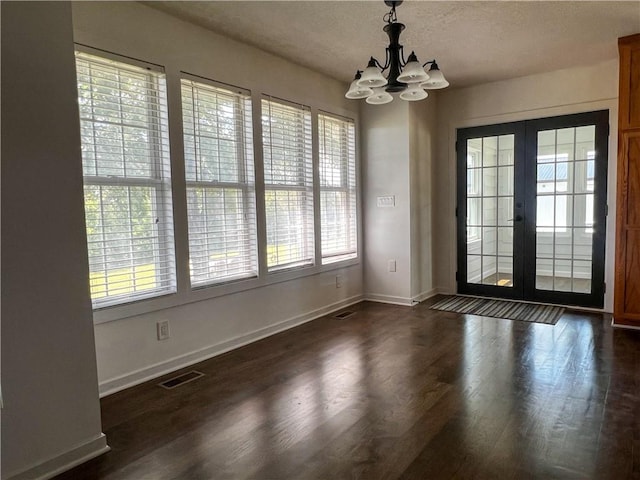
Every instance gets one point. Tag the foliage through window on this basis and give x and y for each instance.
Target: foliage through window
(337, 188)
(288, 177)
(125, 159)
(220, 183)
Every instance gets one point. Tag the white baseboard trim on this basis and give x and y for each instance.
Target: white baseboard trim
(444, 291)
(66, 461)
(376, 297)
(425, 295)
(148, 373)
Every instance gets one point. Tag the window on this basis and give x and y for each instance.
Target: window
(337, 188)
(288, 177)
(218, 151)
(127, 191)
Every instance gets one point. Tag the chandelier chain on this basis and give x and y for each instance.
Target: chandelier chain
(391, 16)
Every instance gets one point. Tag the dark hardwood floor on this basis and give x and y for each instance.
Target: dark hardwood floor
(392, 392)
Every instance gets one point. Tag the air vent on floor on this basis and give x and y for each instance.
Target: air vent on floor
(344, 314)
(181, 379)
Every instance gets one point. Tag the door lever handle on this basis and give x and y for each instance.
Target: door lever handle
(517, 219)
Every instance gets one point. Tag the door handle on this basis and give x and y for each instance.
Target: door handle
(517, 219)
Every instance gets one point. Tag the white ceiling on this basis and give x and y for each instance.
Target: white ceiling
(473, 41)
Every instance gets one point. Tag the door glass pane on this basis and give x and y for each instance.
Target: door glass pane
(490, 179)
(505, 181)
(505, 211)
(489, 151)
(505, 153)
(505, 241)
(581, 277)
(489, 211)
(564, 207)
(489, 237)
(489, 270)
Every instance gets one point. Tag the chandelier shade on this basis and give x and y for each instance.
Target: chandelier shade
(371, 76)
(379, 97)
(356, 91)
(436, 78)
(413, 72)
(406, 77)
(414, 92)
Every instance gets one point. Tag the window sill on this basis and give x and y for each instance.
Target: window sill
(203, 293)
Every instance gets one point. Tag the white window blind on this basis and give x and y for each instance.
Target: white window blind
(127, 191)
(218, 146)
(288, 177)
(337, 188)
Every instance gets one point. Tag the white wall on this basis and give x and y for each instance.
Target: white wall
(386, 172)
(206, 322)
(555, 93)
(398, 143)
(423, 137)
(51, 414)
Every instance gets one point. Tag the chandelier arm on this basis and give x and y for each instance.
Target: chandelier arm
(387, 60)
(427, 63)
(403, 62)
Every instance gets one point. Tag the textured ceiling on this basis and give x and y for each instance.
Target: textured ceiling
(474, 42)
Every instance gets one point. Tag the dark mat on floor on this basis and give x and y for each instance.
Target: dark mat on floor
(526, 312)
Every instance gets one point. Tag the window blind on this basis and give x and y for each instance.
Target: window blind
(218, 146)
(338, 221)
(288, 177)
(127, 190)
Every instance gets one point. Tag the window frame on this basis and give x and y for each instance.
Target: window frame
(348, 172)
(246, 168)
(159, 179)
(306, 184)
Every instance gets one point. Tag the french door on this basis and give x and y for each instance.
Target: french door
(532, 209)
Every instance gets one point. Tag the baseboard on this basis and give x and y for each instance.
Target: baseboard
(376, 297)
(148, 373)
(66, 461)
(624, 325)
(425, 296)
(444, 291)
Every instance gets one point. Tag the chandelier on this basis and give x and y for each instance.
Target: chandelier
(407, 77)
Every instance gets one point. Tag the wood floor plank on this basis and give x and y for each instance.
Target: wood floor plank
(391, 393)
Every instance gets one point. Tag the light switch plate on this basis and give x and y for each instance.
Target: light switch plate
(386, 201)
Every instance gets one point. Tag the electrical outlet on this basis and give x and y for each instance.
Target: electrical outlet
(338, 281)
(163, 330)
(392, 265)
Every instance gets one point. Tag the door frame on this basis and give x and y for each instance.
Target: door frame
(464, 134)
(600, 119)
(524, 235)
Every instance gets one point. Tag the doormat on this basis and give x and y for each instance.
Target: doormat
(525, 312)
